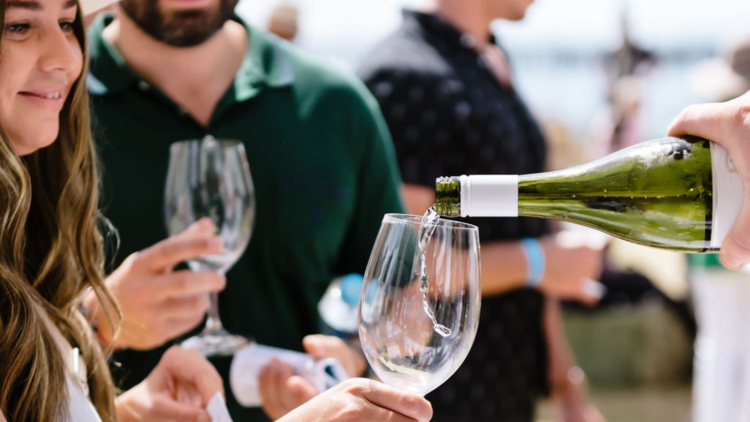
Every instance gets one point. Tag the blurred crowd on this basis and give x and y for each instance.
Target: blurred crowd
(330, 151)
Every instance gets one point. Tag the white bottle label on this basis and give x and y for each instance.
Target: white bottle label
(728, 195)
(489, 196)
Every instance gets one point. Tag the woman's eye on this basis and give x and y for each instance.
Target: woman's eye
(17, 28)
(67, 27)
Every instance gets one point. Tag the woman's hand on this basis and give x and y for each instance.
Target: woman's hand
(178, 389)
(358, 400)
(282, 391)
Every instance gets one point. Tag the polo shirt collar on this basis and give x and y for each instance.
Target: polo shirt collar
(434, 25)
(266, 64)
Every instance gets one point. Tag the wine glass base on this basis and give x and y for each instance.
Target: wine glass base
(210, 344)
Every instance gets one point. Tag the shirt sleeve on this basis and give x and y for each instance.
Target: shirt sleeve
(378, 185)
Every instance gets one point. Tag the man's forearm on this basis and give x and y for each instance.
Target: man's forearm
(503, 263)
(503, 267)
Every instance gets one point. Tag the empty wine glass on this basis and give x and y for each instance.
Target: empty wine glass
(404, 345)
(211, 178)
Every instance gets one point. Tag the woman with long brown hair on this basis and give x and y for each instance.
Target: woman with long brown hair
(51, 367)
(50, 246)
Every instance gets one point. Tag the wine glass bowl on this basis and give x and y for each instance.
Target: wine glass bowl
(401, 342)
(210, 178)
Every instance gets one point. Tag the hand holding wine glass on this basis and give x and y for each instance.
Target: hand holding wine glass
(357, 399)
(282, 391)
(157, 303)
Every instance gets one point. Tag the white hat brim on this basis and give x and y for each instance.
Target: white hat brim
(90, 6)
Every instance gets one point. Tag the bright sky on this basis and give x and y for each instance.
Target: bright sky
(345, 30)
(348, 28)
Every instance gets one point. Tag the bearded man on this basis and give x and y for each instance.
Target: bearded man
(321, 161)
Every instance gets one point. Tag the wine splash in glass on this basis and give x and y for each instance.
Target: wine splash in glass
(426, 229)
(399, 312)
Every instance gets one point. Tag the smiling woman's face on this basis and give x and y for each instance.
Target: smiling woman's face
(41, 59)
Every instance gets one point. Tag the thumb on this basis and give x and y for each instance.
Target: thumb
(301, 390)
(735, 252)
(320, 346)
(192, 369)
(704, 120)
(203, 226)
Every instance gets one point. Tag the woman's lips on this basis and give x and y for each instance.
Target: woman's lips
(47, 100)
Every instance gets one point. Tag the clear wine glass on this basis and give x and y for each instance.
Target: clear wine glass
(211, 178)
(406, 347)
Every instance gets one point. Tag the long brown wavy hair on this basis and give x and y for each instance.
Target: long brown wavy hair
(50, 253)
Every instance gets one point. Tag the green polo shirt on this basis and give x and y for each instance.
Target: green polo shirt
(321, 160)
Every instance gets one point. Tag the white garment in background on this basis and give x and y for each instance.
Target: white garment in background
(721, 384)
(247, 363)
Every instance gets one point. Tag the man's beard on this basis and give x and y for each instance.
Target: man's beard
(185, 28)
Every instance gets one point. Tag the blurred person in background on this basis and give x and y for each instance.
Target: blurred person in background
(446, 90)
(722, 349)
(629, 59)
(619, 124)
(321, 160)
(284, 21)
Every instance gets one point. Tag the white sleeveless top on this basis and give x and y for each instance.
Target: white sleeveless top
(80, 408)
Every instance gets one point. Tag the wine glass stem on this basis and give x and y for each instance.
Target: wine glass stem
(213, 323)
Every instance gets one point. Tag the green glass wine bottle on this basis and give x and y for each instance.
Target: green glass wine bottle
(681, 194)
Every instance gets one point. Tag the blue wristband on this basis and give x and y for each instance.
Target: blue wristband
(535, 260)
